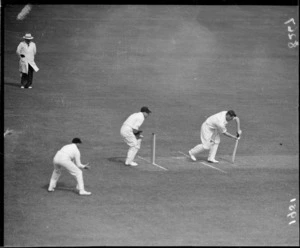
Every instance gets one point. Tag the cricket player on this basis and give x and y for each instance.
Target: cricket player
(130, 133)
(210, 134)
(68, 157)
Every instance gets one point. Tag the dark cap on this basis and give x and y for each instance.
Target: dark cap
(145, 110)
(76, 141)
(231, 113)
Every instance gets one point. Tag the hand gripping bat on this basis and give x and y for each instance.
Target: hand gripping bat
(87, 166)
(138, 134)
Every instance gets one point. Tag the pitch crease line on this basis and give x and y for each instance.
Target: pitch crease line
(153, 163)
(203, 163)
(184, 154)
(212, 167)
(160, 166)
(144, 159)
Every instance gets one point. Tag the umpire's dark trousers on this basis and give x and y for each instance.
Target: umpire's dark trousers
(26, 79)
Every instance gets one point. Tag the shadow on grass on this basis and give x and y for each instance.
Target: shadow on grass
(61, 187)
(199, 159)
(119, 160)
(17, 85)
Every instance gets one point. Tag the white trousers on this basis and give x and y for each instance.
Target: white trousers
(210, 139)
(61, 161)
(133, 143)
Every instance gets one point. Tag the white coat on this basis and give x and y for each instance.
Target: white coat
(29, 52)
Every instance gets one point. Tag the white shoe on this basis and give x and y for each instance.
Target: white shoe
(213, 161)
(30, 87)
(192, 156)
(132, 164)
(50, 189)
(83, 192)
(22, 87)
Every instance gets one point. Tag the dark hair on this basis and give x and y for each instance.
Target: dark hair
(231, 113)
(76, 141)
(145, 110)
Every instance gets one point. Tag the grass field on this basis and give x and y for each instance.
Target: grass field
(99, 64)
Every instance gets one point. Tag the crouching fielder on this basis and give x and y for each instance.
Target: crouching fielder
(210, 134)
(68, 157)
(130, 133)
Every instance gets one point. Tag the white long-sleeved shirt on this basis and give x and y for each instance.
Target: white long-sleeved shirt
(73, 153)
(135, 120)
(218, 121)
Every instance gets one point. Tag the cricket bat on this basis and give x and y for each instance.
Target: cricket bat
(234, 151)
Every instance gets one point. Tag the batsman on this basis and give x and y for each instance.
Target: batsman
(210, 134)
(132, 135)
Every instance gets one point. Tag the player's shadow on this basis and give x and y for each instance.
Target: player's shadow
(199, 159)
(61, 186)
(118, 160)
(17, 85)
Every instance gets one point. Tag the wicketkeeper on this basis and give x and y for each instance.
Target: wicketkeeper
(210, 134)
(132, 135)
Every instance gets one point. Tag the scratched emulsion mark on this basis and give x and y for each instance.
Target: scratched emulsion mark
(291, 34)
(292, 214)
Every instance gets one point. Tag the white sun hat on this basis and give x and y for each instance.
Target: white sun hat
(28, 37)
